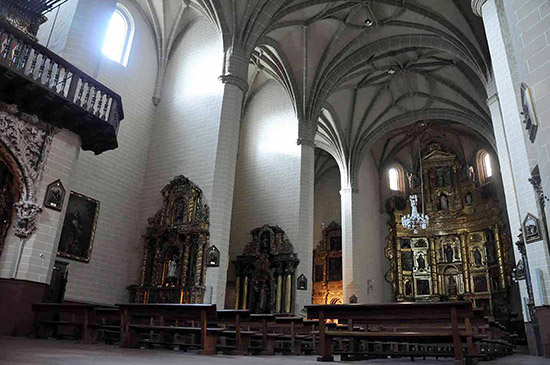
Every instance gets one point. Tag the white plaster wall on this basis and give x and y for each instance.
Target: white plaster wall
(60, 165)
(186, 122)
(115, 178)
(267, 181)
(369, 233)
(326, 202)
(268, 168)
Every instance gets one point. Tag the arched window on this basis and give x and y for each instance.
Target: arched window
(396, 179)
(118, 39)
(393, 175)
(484, 166)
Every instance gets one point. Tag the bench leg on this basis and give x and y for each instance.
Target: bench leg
(209, 345)
(242, 349)
(325, 349)
(269, 346)
(298, 350)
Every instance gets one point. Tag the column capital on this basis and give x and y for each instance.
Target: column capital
(476, 6)
(235, 68)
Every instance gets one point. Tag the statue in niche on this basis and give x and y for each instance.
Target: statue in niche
(421, 262)
(443, 203)
(489, 248)
(452, 289)
(264, 243)
(477, 257)
(469, 198)
(413, 180)
(171, 272)
(408, 288)
(432, 178)
(449, 253)
(180, 210)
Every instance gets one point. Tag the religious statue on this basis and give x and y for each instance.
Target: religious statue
(477, 257)
(471, 174)
(443, 202)
(449, 253)
(180, 210)
(421, 262)
(469, 198)
(171, 272)
(452, 289)
(408, 288)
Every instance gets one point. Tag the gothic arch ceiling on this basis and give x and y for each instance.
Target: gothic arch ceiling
(356, 69)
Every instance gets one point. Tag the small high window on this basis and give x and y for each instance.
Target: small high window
(393, 175)
(396, 179)
(484, 166)
(119, 36)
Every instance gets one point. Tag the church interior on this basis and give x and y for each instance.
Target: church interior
(336, 179)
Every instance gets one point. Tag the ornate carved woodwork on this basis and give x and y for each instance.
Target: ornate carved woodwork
(25, 144)
(327, 267)
(464, 253)
(266, 272)
(176, 246)
(8, 196)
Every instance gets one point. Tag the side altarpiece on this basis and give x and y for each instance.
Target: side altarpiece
(465, 253)
(176, 245)
(266, 272)
(327, 267)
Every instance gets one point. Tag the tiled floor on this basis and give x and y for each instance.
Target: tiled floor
(49, 352)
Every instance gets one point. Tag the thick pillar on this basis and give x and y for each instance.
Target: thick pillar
(353, 266)
(221, 204)
(509, 133)
(303, 243)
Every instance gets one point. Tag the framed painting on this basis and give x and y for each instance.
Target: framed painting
(77, 235)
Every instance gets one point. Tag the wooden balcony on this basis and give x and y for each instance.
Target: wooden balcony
(42, 83)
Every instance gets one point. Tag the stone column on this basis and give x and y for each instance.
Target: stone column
(223, 182)
(509, 132)
(354, 267)
(303, 244)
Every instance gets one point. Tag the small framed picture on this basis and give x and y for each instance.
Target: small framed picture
(213, 257)
(77, 235)
(302, 282)
(55, 195)
(531, 228)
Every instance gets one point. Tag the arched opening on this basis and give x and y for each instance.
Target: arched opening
(119, 36)
(8, 197)
(484, 166)
(396, 179)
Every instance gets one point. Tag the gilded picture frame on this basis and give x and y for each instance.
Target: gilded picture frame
(79, 225)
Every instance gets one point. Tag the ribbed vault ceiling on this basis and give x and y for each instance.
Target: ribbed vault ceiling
(355, 70)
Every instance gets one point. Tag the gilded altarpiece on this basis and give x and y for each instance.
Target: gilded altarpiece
(176, 244)
(266, 272)
(465, 252)
(327, 267)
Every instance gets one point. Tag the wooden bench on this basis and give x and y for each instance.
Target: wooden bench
(58, 316)
(264, 339)
(106, 324)
(231, 320)
(429, 323)
(169, 320)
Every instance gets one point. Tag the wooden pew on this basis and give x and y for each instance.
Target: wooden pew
(63, 315)
(260, 323)
(169, 320)
(291, 328)
(231, 320)
(412, 322)
(106, 324)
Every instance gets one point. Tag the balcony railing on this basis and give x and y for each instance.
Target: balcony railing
(81, 104)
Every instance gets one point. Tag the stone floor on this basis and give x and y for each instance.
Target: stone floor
(16, 350)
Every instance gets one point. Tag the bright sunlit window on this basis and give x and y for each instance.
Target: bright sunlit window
(487, 165)
(118, 39)
(394, 179)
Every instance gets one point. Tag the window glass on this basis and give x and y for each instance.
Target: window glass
(118, 37)
(488, 167)
(394, 179)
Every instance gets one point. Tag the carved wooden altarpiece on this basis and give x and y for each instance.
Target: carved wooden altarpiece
(327, 267)
(176, 245)
(464, 253)
(266, 272)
